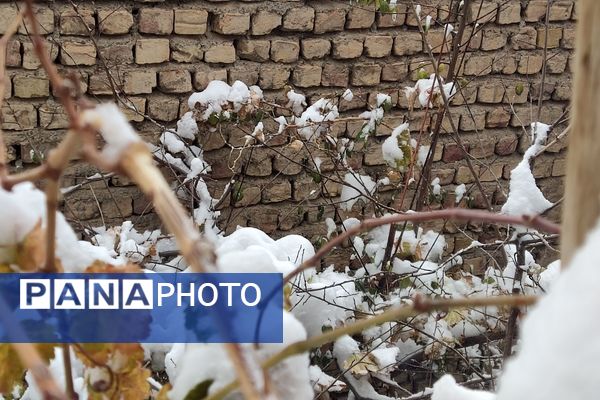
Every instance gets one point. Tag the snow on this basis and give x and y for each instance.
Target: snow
(331, 227)
(296, 102)
(436, 189)
(355, 187)
(446, 388)
(382, 99)
(282, 123)
(559, 346)
(220, 97)
(325, 300)
(390, 148)
(459, 192)
(114, 128)
(428, 92)
(320, 380)
(187, 127)
(172, 142)
(57, 370)
(524, 197)
(313, 120)
(348, 95)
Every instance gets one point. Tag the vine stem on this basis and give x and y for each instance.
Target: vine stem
(457, 214)
(399, 313)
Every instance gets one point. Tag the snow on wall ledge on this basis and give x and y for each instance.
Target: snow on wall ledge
(158, 53)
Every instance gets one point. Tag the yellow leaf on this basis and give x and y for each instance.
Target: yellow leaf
(12, 372)
(31, 252)
(360, 364)
(454, 317)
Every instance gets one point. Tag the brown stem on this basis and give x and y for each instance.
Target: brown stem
(137, 163)
(398, 313)
(68, 371)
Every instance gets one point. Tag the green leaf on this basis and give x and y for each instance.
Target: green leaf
(519, 89)
(405, 282)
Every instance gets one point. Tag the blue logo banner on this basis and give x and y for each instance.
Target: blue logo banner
(141, 307)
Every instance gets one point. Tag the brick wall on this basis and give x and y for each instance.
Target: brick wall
(158, 52)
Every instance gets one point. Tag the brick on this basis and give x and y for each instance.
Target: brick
(134, 108)
(360, 17)
(525, 39)
(117, 53)
(378, 46)
(290, 161)
(345, 48)
(493, 39)
(497, 118)
(78, 53)
(530, 64)
(18, 116)
(45, 19)
(231, 23)
(490, 92)
(464, 175)
(191, 21)
(568, 38)
(258, 162)
(152, 51)
(506, 145)
(158, 21)
(439, 41)
(205, 74)
(509, 13)
(114, 21)
(554, 37)
(315, 48)
(163, 108)
(247, 73)
(393, 18)
(330, 20)
(276, 191)
(175, 81)
(264, 22)
(366, 74)
(335, 75)
(373, 154)
(561, 11)
(99, 85)
(53, 116)
(559, 167)
(484, 11)
(27, 86)
(478, 65)
(557, 63)
(13, 53)
(186, 50)
(273, 76)
(407, 43)
(223, 53)
(473, 120)
(30, 58)
(285, 50)
(307, 75)
(245, 195)
(139, 81)
(426, 10)
(394, 72)
(299, 19)
(453, 152)
(77, 23)
(253, 50)
(8, 13)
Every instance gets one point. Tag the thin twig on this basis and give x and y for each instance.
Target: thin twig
(399, 313)
(457, 214)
